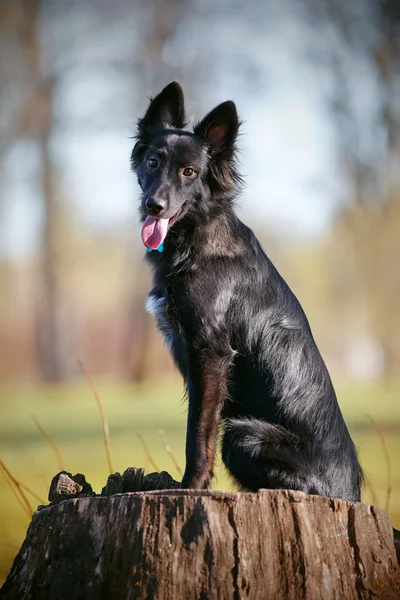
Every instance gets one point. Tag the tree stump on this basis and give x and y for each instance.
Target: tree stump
(180, 544)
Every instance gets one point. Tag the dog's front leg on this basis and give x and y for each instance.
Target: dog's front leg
(207, 388)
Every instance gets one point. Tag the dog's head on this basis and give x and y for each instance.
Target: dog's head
(179, 171)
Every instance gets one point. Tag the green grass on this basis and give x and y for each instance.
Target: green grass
(69, 414)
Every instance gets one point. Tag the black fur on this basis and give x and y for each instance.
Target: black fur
(236, 331)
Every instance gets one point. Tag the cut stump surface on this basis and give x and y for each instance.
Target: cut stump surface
(178, 544)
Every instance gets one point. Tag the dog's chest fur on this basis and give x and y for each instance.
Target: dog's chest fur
(156, 305)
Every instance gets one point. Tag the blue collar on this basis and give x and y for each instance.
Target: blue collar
(159, 249)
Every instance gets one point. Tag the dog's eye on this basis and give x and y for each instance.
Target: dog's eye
(153, 163)
(188, 172)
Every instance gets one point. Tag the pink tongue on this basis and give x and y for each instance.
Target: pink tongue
(154, 232)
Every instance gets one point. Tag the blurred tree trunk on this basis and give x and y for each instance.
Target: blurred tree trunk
(387, 56)
(50, 334)
(37, 123)
(376, 237)
(367, 224)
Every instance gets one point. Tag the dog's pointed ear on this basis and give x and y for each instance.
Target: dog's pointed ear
(219, 128)
(168, 108)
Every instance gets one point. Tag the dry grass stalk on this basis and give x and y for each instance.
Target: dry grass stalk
(387, 461)
(169, 450)
(15, 492)
(370, 487)
(103, 416)
(147, 452)
(18, 488)
(52, 443)
(20, 484)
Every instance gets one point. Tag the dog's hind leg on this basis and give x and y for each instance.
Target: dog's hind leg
(248, 472)
(260, 454)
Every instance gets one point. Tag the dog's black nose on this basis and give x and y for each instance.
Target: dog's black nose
(154, 207)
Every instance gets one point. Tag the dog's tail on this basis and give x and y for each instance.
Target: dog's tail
(265, 440)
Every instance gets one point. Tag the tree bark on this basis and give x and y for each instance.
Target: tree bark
(196, 544)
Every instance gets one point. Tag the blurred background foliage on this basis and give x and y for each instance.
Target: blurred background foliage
(317, 83)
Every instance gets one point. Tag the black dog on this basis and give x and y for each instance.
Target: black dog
(237, 333)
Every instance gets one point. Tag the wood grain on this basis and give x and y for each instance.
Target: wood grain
(204, 545)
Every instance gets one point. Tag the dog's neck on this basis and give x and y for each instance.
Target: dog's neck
(218, 237)
(191, 244)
